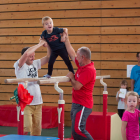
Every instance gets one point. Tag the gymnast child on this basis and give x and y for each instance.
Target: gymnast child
(53, 37)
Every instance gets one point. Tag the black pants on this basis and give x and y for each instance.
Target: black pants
(120, 112)
(79, 115)
(64, 55)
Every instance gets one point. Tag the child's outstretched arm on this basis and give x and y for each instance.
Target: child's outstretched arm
(123, 130)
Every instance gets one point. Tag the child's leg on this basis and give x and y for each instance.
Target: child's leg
(123, 110)
(64, 55)
(50, 64)
(120, 112)
(63, 36)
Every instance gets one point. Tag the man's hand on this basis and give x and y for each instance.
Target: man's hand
(43, 42)
(45, 45)
(65, 31)
(75, 84)
(70, 75)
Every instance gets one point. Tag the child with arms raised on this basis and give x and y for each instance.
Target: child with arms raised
(52, 36)
(130, 119)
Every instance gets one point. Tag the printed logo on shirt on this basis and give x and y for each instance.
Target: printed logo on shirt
(77, 75)
(52, 38)
(32, 72)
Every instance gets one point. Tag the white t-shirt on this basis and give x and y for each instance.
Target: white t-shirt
(30, 71)
(121, 103)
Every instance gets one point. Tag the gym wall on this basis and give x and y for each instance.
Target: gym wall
(111, 29)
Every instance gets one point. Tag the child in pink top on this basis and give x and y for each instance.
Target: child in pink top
(130, 119)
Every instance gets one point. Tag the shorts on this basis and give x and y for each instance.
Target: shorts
(33, 119)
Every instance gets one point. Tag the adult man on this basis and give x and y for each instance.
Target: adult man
(135, 76)
(27, 67)
(83, 84)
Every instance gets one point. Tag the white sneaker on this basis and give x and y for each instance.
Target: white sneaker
(47, 76)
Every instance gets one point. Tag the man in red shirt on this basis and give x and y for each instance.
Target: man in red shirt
(83, 83)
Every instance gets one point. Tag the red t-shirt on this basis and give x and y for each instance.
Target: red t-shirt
(86, 75)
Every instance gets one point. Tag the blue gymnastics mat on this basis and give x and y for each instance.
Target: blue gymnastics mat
(23, 137)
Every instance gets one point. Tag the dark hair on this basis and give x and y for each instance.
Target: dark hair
(24, 50)
(137, 55)
(124, 82)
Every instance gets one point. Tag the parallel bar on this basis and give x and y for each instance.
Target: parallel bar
(104, 76)
(63, 79)
(59, 79)
(22, 80)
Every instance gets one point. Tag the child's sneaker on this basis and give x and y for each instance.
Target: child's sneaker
(47, 76)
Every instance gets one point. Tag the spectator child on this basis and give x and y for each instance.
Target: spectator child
(121, 101)
(130, 119)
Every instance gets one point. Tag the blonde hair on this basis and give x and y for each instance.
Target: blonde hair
(45, 18)
(131, 93)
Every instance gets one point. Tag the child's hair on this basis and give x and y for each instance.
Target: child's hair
(124, 82)
(45, 18)
(133, 94)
